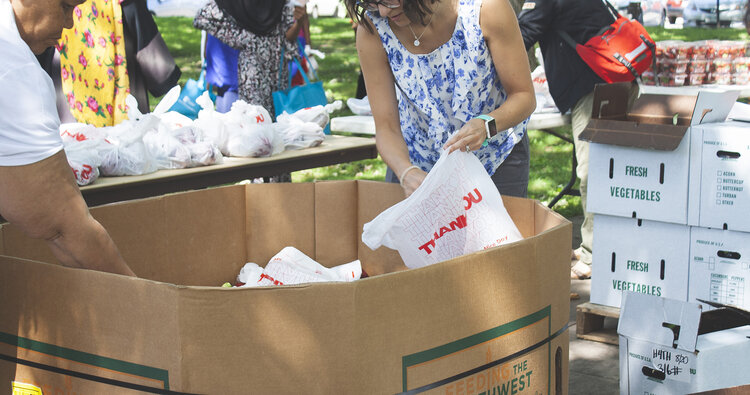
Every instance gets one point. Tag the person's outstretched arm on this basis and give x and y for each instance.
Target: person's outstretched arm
(381, 92)
(43, 199)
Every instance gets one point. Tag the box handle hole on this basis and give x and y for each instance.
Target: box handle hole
(613, 262)
(661, 274)
(727, 155)
(611, 168)
(661, 174)
(653, 373)
(675, 332)
(728, 254)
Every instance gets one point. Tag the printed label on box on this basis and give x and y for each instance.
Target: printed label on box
(656, 369)
(649, 184)
(723, 162)
(528, 372)
(720, 266)
(25, 389)
(647, 257)
(674, 363)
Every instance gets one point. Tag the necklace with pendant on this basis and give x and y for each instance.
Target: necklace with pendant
(416, 39)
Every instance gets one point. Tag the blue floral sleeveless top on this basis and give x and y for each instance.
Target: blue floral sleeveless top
(439, 92)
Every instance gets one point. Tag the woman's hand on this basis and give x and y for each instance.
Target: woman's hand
(469, 138)
(299, 12)
(412, 180)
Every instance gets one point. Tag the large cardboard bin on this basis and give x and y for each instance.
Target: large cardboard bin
(639, 159)
(672, 347)
(490, 322)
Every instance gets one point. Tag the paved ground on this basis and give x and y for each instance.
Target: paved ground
(594, 366)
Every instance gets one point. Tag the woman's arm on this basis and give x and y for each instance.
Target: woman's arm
(503, 38)
(300, 16)
(381, 93)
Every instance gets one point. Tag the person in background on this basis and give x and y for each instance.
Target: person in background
(303, 40)
(440, 74)
(571, 83)
(221, 72)
(222, 66)
(260, 30)
(112, 50)
(38, 192)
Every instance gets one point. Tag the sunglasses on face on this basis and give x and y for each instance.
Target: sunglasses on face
(372, 5)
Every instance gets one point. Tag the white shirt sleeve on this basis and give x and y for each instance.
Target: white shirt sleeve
(29, 124)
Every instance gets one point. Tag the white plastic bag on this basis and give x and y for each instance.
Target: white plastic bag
(253, 140)
(126, 154)
(298, 135)
(168, 152)
(456, 211)
(76, 132)
(316, 114)
(83, 158)
(211, 122)
(204, 153)
(302, 129)
(292, 266)
(359, 106)
(126, 159)
(243, 112)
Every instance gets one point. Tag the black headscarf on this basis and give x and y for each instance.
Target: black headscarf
(257, 16)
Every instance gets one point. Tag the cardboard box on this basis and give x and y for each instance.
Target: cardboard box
(738, 390)
(720, 166)
(671, 347)
(495, 320)
(639, 158)
(638, 255)
(719, 267)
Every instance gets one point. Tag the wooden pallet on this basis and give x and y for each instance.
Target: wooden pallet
(590, 323)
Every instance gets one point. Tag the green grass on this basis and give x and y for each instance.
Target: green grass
(550, 156)
(184, 42)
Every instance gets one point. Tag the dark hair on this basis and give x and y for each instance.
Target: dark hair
(414, 10)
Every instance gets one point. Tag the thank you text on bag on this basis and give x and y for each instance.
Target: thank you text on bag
(456, 211)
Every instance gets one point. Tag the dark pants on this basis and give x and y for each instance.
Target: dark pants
(511, 178)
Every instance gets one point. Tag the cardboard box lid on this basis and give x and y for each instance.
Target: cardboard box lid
(653, 121)
(674, 323)
(723, 317)
(668, 322)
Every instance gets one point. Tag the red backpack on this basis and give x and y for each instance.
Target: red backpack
(620, 52)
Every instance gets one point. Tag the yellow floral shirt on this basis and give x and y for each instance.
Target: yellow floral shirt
(93, 67)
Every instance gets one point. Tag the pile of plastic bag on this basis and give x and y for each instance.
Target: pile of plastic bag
(162, 139)
(544, 101)
(291, 266)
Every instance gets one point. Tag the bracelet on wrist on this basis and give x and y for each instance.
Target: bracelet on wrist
(403, 173)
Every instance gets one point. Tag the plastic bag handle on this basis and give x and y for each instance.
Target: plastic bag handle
(282, 64)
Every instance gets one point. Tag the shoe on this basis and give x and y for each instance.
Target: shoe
(580, 271)
(576, 254)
